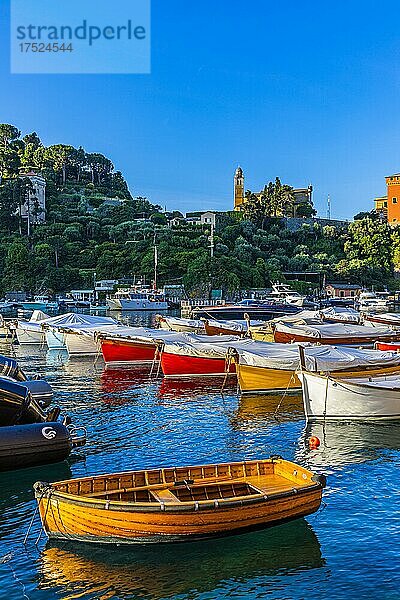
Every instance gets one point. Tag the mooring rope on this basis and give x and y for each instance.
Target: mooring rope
(292, 378)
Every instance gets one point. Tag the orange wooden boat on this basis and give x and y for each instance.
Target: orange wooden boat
(334, 334)
(225, 328)
(178, 504)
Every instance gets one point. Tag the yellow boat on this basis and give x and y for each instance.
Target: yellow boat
(262, 333)
(178, 504)
(273, 368)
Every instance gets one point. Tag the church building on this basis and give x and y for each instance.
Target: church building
(301, 195)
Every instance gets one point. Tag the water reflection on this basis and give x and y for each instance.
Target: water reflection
(139, 318)
(161, 571)
(345, 443)
(183, 388)
(271, 407)
(115, 380)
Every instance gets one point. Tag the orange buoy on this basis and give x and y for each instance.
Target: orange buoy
(314, 442)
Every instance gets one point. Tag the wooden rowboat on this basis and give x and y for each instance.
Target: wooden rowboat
(238, 328)
(392, 319)
(178, 504)
(181, 325)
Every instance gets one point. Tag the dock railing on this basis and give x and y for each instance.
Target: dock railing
(188, 305)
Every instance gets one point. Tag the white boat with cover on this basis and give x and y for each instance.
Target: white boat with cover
(55, 328)
(340, 314)
(181, 325)
(327, 397)
(31, 332)
(83, 340)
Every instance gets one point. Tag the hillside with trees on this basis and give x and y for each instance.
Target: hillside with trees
(96, 227)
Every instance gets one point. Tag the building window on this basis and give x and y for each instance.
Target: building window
(352, 294)
(394, 200)
(341, 293)
(385, 204)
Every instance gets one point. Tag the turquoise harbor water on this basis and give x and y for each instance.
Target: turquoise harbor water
(350, 548)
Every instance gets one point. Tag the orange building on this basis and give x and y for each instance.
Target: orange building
(393, 198)
(389, 206)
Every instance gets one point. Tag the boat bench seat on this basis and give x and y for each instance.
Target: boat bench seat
(164, 496)
(272, 485)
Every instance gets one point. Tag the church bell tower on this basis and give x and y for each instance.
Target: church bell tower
(238, 189)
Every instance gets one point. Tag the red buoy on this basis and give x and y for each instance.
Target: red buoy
(314, 442)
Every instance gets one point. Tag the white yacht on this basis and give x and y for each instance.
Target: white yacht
(283, 292)
(137, 299)
(371, 301)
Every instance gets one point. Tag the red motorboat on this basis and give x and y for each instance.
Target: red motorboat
(175, 365)
(133, 344)
(195, 357)
(201, 356)
(128, 351)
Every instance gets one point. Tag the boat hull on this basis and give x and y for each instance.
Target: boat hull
(240, 312)
(110, 509)
(391, 346)
(261, 380)
(30, 335)
(23, 446)
(39, 305)
(329, 399)
(125, 528)
(261, 335)
(182, 365)
(121, 304)
(214, 330)
(128, 351)
(287, 338)
(17, 406)
(81, 344)
(55, 340)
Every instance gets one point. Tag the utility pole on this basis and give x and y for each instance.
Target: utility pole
(328, 210)
(155, 262)
(28, 204)
(211, 240)
(94, 287)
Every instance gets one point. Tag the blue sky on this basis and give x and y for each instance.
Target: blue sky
(308, 91)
